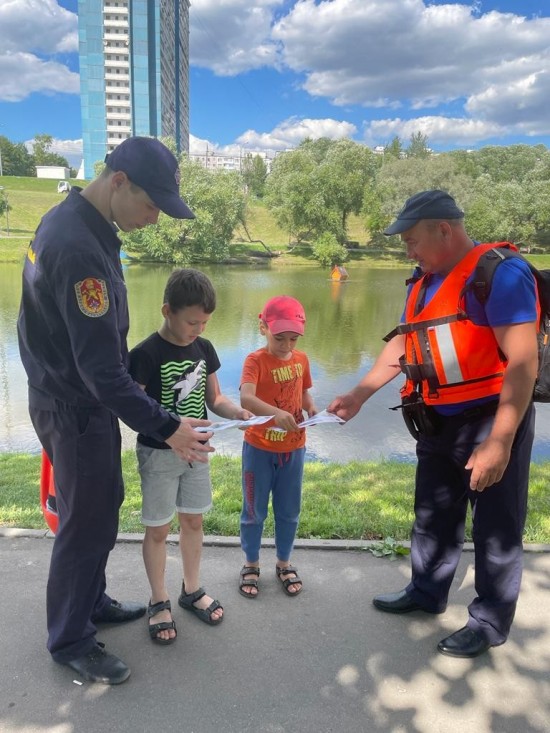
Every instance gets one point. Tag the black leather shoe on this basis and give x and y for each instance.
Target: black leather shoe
(465, 642)
(100, 666)
(119, 613)
(400, 602)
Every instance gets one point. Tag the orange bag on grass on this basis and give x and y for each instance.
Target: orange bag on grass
(47, 493)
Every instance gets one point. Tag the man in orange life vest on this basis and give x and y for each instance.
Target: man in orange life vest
(470, 370)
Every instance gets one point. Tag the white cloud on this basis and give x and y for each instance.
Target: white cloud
(33, 33)
(523, 104)
(22, 74)
(288, 134)
(440, 131)
(40, 26)
(69, 149)
(232, 36)
(291, 132)
(199, 146)
(435, 54)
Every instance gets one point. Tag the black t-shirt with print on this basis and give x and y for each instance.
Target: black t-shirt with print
(174, 376)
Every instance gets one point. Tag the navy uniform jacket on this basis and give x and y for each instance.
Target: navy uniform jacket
(73, 320)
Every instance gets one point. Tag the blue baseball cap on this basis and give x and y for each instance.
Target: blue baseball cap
(151, 166)
(434, 204)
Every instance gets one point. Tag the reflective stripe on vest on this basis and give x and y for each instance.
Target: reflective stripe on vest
(449, 357)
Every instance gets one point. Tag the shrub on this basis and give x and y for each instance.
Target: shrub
(328, 251)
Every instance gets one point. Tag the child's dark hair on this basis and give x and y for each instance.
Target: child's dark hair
(187, 287)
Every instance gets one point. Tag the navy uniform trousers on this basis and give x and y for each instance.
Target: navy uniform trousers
(498, 514)
(83, 445)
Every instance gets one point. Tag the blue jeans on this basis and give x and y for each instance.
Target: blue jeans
(280, 474)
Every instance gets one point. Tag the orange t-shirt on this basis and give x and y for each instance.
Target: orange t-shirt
(281, 384)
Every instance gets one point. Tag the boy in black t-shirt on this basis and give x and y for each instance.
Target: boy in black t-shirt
(177, 367)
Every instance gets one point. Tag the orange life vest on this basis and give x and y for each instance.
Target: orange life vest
(448, 357)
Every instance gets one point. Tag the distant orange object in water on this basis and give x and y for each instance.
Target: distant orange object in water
(339, 273)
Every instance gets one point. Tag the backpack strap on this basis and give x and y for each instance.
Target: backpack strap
(482, 279)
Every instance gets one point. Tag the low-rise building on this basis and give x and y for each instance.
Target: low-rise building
(213, 159)
(53, 171)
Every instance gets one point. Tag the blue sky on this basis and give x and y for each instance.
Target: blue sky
(267, 73)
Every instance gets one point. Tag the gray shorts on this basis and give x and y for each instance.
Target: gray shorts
(169, 484)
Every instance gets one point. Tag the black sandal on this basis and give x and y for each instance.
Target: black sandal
(282, 573)
(249, 582)
(152, 610)
(186, 600)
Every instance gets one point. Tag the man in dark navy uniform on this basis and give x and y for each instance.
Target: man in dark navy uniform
(72, 331)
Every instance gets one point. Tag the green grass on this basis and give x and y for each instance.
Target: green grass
(12, 249)
(29, 200)
(357, 500)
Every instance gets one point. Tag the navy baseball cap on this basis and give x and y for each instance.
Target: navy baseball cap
(151, 166)
(433, 204)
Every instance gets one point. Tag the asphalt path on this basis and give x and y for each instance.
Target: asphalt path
(324, 661)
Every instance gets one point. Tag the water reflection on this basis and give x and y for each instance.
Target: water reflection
(345, 324)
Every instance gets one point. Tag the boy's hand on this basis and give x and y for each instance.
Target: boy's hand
(286, 421)
(312, 411)
(243, 415)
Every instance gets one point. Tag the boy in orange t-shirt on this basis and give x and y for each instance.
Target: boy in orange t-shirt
(275, 381)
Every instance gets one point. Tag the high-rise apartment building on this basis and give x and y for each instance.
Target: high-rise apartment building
(134, 73)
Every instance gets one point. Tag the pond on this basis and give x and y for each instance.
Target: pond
(345, 325)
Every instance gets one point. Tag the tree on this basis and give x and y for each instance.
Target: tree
(418, 146)
(347, 168)
(394, 149)
(42, 152)
(313, 189)
(254, 174)
(328, 250)
(99, 167)
(293, 196)
(396, 180)
(16, 159)
(317, 149)
(465, 162)
(508, 211)
(508, 163)
(218, 202)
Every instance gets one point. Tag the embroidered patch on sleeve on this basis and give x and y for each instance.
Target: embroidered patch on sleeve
(92, 297)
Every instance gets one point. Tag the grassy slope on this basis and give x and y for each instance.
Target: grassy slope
(30, 198)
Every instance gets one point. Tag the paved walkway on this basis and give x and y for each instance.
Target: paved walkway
(326, 661)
